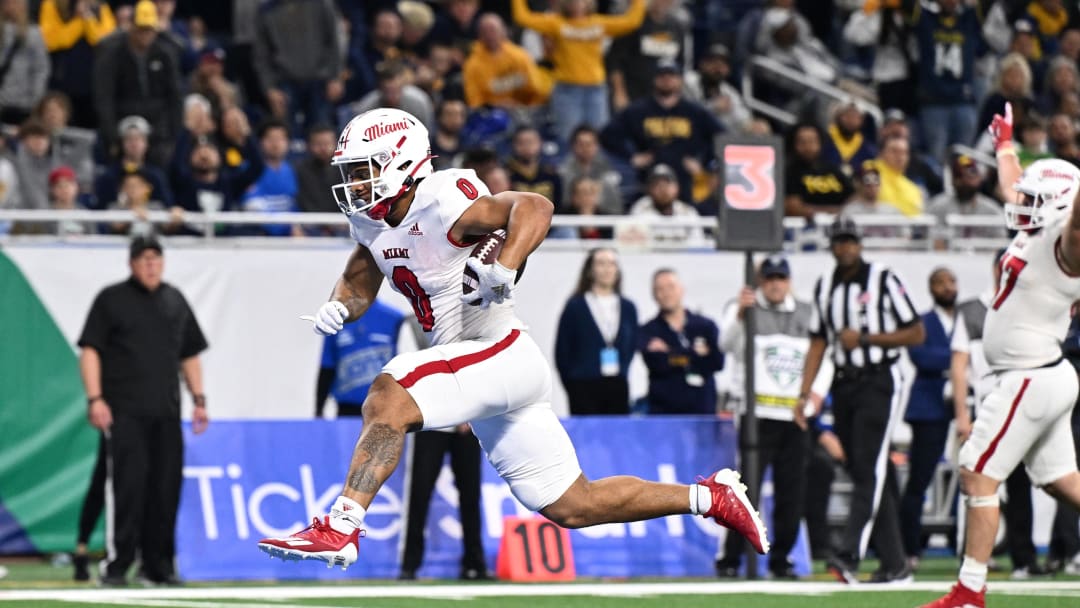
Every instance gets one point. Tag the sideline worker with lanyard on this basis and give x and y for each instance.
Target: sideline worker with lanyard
(781, 342)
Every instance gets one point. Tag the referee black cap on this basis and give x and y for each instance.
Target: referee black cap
(141, 243)
(843, 228)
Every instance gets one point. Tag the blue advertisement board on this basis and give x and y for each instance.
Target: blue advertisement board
(245, 480)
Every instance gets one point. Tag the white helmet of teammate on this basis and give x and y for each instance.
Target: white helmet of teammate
(391, 140)
(1047, 189)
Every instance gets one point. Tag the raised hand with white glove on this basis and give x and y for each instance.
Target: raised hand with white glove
(330, 318)
(494, 283)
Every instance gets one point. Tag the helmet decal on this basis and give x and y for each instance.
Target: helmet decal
(380, 154)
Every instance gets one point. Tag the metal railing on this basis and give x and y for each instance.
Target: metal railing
(759, 64)
(881, 231)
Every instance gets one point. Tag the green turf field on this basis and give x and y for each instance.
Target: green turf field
(606, 595)
(36, 584)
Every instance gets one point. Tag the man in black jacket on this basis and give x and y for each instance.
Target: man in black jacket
(135, 73)
(315, 176)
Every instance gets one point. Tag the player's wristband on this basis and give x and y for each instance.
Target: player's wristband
(1006, 150)
(200, 400)
(864, 340)
(90, 400)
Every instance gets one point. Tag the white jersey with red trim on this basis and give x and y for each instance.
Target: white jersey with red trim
(423, 263)
(1030, 312)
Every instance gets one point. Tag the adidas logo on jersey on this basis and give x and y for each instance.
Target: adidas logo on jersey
(415, 230)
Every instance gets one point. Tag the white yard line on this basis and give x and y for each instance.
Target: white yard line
(458, 591)
(186, 603)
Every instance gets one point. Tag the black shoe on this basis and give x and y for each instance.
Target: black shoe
(474, 574)
(784, 571)
(407, 575)
(82, 566)
(112, 581)
(901, 576)
(726, 569)
(1033, 570)
(846, 572)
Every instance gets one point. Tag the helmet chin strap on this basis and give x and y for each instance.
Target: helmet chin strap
(380, 210)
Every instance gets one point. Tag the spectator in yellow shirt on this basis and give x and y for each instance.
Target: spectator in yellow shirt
(499, 72)
(896, 189)
(71, 29)
(577, 34)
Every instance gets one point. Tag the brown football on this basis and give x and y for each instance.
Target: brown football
(487, 251)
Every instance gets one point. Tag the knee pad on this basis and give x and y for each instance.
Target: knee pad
(976, 502)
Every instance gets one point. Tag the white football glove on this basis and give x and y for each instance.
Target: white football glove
(330, 318)
(494, 282)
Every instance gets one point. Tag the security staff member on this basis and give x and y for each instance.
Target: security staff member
(929, 410)
(781, 341)
(140, 335)
(863, 311)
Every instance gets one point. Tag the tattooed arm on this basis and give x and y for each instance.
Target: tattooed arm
(359, 283)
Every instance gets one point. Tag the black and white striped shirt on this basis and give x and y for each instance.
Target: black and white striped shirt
(873, 301)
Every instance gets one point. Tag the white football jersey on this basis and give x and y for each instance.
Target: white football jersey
(1030, 312)
(423, 263)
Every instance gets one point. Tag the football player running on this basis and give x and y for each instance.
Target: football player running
(1025, 418)
(417, 227)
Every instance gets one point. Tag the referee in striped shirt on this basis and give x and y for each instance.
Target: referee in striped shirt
(862, 310)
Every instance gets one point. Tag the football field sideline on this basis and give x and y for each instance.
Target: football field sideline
(282, 596)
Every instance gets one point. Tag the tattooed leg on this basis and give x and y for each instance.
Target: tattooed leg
(374, 459)
(389, 413)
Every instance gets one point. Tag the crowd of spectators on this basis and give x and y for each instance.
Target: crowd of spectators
(601, 105)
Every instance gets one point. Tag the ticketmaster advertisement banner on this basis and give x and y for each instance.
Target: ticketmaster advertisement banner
(248, 480)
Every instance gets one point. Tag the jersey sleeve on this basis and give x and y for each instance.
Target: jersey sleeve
(960, 342)
(455, 190)
(902, 307)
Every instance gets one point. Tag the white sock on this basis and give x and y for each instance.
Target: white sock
(346, 515)
(700, 499)
(973, 574)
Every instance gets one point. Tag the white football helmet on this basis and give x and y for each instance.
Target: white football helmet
(1047, 189)
(395, 143)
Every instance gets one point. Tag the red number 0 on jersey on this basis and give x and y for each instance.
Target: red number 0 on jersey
(409, 286)
(467, 189)
(1010, 272)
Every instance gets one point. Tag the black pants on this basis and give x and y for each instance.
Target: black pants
(1065, 532)
(927, 445)
(94, 501)
(862, 408)
(145, 461)
(593, 396)
(1019, 519)
(783, 446)
(429, 447)
(820, 473)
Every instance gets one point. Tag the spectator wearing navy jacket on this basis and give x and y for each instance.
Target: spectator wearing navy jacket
(597, 338)
(667, 128)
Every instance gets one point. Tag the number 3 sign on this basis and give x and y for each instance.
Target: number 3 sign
(751, 209)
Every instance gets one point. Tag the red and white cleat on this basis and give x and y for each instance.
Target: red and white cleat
(317, 541)
(960, 597)
(732, 509)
